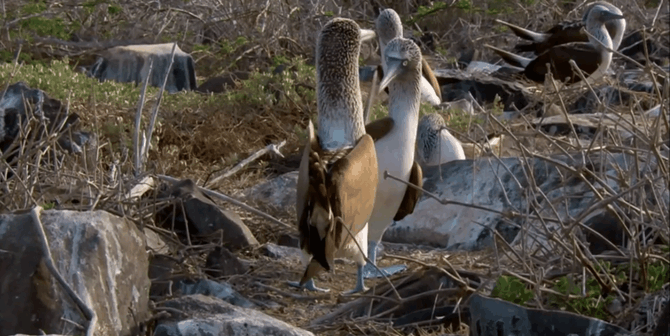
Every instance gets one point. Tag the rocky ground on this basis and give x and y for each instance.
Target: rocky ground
(132, 210)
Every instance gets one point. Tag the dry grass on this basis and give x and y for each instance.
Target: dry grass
(197, 135)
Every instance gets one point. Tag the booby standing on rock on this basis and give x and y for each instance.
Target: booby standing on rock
(434, 144)
(395, 139)
(388, 27)
(590, 57)
(567, 32)
(338, 178)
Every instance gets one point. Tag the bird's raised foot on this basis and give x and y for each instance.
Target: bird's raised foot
(371, 272)
(309, 285)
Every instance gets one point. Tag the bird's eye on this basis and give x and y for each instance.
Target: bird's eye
(404, 63)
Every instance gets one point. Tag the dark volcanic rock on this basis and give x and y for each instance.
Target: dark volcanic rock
(204, 218)
(221, 262)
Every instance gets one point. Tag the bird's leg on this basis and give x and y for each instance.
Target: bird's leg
(309, 285)
(371, 271)
(360, 281)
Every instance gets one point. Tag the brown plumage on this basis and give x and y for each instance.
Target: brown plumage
(338, 174)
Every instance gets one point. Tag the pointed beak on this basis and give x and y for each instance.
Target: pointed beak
(613, 16)
(393, 71)
(367, 34)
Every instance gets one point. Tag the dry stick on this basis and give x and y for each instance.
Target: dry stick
(154, 113)
(137, 144)
(233, 201)
(89, 314)
(291, 295)
(272, 148)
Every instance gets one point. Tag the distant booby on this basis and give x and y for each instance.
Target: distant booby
(338, 175)
(388, 27)
(568, 32)
(590, 57)
(434, 144)
(395, 139)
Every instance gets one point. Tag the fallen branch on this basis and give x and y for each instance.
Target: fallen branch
(271, 148)
(229, 199)
(88, 313)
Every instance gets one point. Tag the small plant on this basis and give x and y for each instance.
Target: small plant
(512, 289)
(592, 303)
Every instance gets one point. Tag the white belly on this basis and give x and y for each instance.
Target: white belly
(428, 93)
(449, 149)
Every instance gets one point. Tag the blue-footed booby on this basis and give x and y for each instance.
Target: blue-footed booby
(434, 144)
(395, 140)
(338, 175)
(592, 58)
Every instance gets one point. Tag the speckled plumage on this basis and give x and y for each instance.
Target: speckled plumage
(338, 94)
(434, 144)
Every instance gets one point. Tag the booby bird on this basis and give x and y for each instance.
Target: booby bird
(567, 31)
(388, 27)
(338, 179)
(395, 138)
(590, 57)
(434, 144)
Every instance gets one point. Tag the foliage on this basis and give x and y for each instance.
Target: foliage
(511, 289)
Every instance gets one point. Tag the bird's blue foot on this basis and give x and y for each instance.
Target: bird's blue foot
(309, 285)
(371, 272)
(360, 282)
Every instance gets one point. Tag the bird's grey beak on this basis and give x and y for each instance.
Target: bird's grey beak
(367, 34)
(613, 16)
(392, 72)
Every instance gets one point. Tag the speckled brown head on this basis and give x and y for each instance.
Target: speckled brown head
(338, 93)
(388, 26)
(428, 135)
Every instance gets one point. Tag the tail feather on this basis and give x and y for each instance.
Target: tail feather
(510, 58)
(524, 33)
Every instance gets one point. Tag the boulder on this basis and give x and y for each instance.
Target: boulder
(281, 252)
(131, 64)
(221, 262)
(223, 83)
(203, 217)
(499, 185)
(14, 107)
(459, 84)
(205, 316)
(103, 259)
(277, 193)
(220, 290)
(490, 317)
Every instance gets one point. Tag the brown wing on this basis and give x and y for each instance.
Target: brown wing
(354, 181)
(427, 72)
(585, 56)
(562, 33)
(412, 195)
(379, 128)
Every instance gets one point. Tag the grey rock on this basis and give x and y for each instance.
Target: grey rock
(290, 240)
(131, 64)
(19, 98)
(203, 216)
(498, 185)
(490, 317)
(221, 262)
(206, 316)
(220, 290)
(281, 252)
(278, 193)
(101, 256)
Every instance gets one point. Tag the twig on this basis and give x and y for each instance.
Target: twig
(89, 314)
(291, 295)
(137, 143)
(271, 148)
(233, 201)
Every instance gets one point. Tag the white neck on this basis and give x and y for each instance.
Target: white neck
(404, 104)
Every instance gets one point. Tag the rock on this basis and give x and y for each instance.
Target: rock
(278, 193)
(165, 272)
(289, 240)
(101, 256)
(204, 315)
(491, 317)
(13, 109)
(155, 243)
(223, 83)
(281, 252)
(498, 185)
(220, 290)
(203, 217)
(131, 64)
(459, 84)
(221, 262)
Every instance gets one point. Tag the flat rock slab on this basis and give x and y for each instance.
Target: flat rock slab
(492, 317)
(206, 316)
(101, 256)
(278, 193)
(500, 185)
(131, 64)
